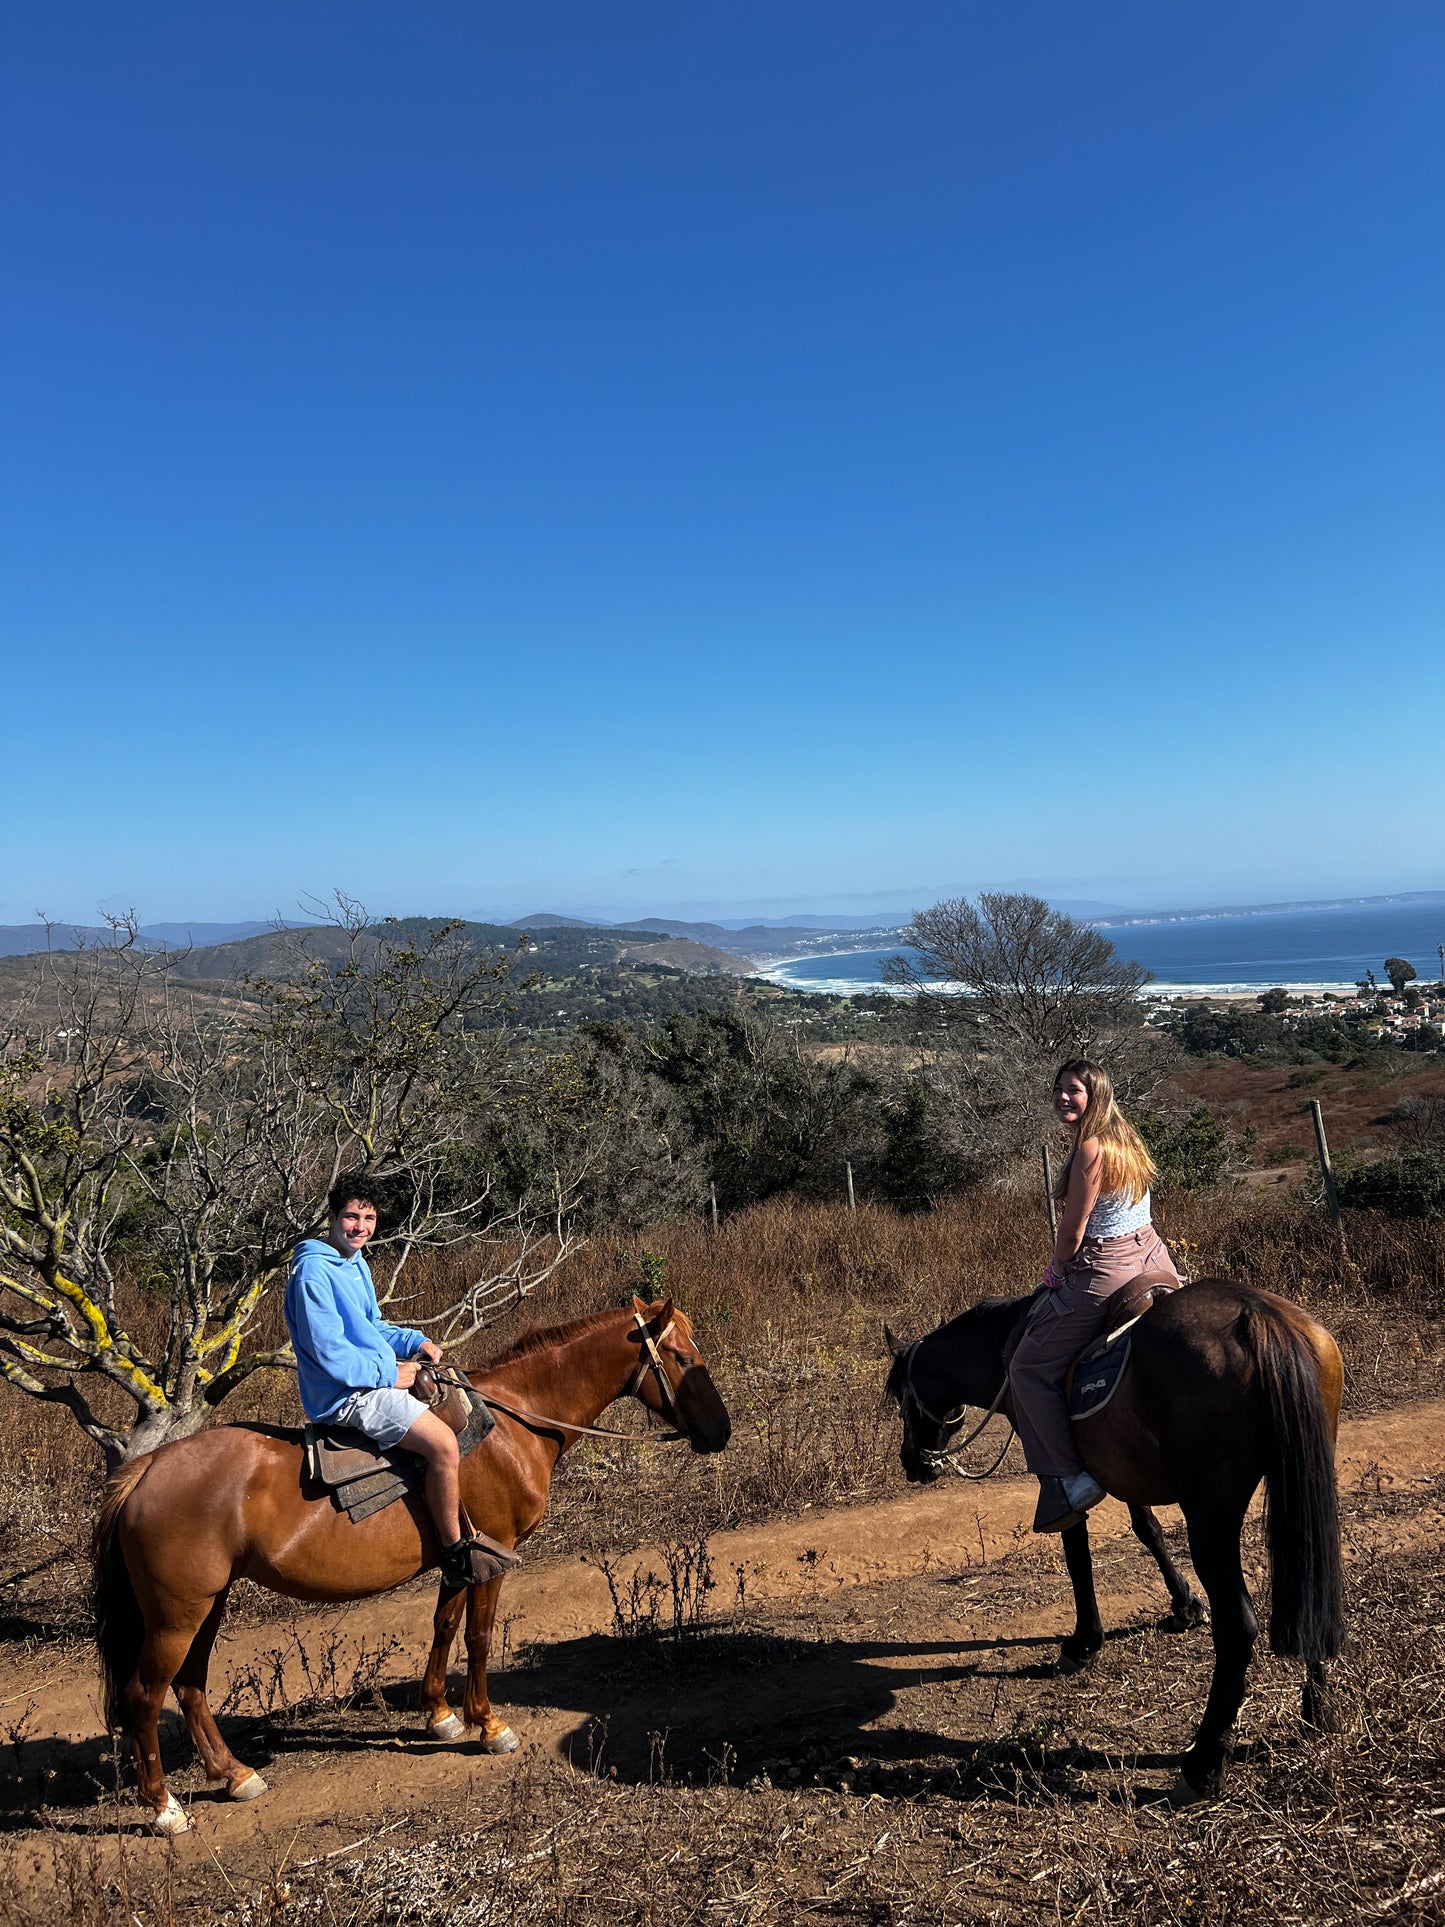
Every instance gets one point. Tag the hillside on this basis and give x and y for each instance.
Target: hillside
(568, 974)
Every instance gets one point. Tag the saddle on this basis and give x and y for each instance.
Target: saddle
(363, 1479)
(1096, 1373)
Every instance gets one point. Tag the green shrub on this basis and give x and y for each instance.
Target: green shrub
(1408, 1187)
(1193, 1153)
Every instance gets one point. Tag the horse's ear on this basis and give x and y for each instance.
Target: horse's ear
(663, 1314)
(896, 1346)
(653, 1312)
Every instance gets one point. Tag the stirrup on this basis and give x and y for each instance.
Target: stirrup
(476, 1561)
(1054, 1512)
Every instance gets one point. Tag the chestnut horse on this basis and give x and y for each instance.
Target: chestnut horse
(1225, 1387)
(180, 1525)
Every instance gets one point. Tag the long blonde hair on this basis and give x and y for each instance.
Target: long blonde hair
(1127, 1165)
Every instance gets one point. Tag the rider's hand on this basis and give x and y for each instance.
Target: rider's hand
(430, 1350)
(405, 1374)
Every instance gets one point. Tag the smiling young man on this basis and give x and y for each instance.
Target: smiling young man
(356, 1369)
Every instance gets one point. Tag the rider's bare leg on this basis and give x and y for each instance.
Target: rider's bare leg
(434, 1441)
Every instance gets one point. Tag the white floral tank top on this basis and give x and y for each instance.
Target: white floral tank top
(1115, 1217)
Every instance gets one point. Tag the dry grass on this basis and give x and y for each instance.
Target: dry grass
(790, 1301)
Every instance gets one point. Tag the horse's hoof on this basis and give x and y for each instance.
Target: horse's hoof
(451, 1728)
(251, 1788)
(1184, 1619)
(504, 1740)
(1183, 1794)
(171, 1819)
(1068, 1664)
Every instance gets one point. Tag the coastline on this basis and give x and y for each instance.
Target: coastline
(1164, 991)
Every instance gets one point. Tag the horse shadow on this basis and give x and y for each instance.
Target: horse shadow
(723, 1704)
(762, 1708)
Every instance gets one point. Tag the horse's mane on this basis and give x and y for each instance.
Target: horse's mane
(984, 1308)
(537, 1338)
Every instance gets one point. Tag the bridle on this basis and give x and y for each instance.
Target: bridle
(943, 1456)
(649, 1359)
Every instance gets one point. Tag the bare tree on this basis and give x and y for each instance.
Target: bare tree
(1027, 987)
(163, 1148)
(1036, 977)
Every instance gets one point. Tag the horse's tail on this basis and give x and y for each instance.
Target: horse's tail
(119, 1626)
(1302, 1515)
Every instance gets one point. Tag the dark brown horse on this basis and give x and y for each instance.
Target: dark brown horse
(182, 1524)
(1226, 1387)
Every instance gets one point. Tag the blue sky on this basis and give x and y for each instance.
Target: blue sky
(719, 458)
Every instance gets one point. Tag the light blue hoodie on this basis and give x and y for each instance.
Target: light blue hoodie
(342, 1342)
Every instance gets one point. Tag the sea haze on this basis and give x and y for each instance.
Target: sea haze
(1328, 947)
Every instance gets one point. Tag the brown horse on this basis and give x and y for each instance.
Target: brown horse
(182, 1524)
(1225, 1387)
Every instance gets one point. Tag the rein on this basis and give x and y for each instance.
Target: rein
(944, 1457)
(650, 1360)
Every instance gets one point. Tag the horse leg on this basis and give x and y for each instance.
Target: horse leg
(1214, 1548)
(1187, 1608)
(162, 1655)
(1088, 1634)
(441, 1722)
(497, 1736)
(242, 1782)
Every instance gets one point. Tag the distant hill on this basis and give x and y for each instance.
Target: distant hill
(546, 920)
(1275, 909)
(28, 939)
(560, 949)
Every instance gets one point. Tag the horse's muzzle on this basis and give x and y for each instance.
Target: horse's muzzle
(711, 1436)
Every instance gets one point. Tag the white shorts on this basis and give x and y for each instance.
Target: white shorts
(385, 1415)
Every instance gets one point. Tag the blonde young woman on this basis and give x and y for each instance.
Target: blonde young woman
(1105, 1238)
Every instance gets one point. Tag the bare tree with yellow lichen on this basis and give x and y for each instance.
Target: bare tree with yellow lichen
(163, 1147)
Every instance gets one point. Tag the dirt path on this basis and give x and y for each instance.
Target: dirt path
(339, 1778)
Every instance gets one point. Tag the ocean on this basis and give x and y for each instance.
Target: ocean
(1301, 949)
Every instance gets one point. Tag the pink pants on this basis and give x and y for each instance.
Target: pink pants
(1059, 1330)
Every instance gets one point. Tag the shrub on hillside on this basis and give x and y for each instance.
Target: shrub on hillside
(1194, 1152)
(765, 1116)
(1231, 1033)
(590, 1125)
(1407, 1187)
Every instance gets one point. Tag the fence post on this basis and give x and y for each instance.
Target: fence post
(852, 1201)
(1049, 1192)
(1332, 1196)
(712, 1199)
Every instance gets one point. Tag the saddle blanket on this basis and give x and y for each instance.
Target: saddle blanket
(1100, 1372)
(361, 1478)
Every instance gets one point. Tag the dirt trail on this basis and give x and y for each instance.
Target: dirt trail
(942, 1528)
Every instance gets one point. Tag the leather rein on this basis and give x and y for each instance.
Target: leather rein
(944, 1457)
(649, 1360)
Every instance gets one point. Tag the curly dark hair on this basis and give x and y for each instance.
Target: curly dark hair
(357, 1187)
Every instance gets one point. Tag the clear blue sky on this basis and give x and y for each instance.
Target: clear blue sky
(733, 456)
